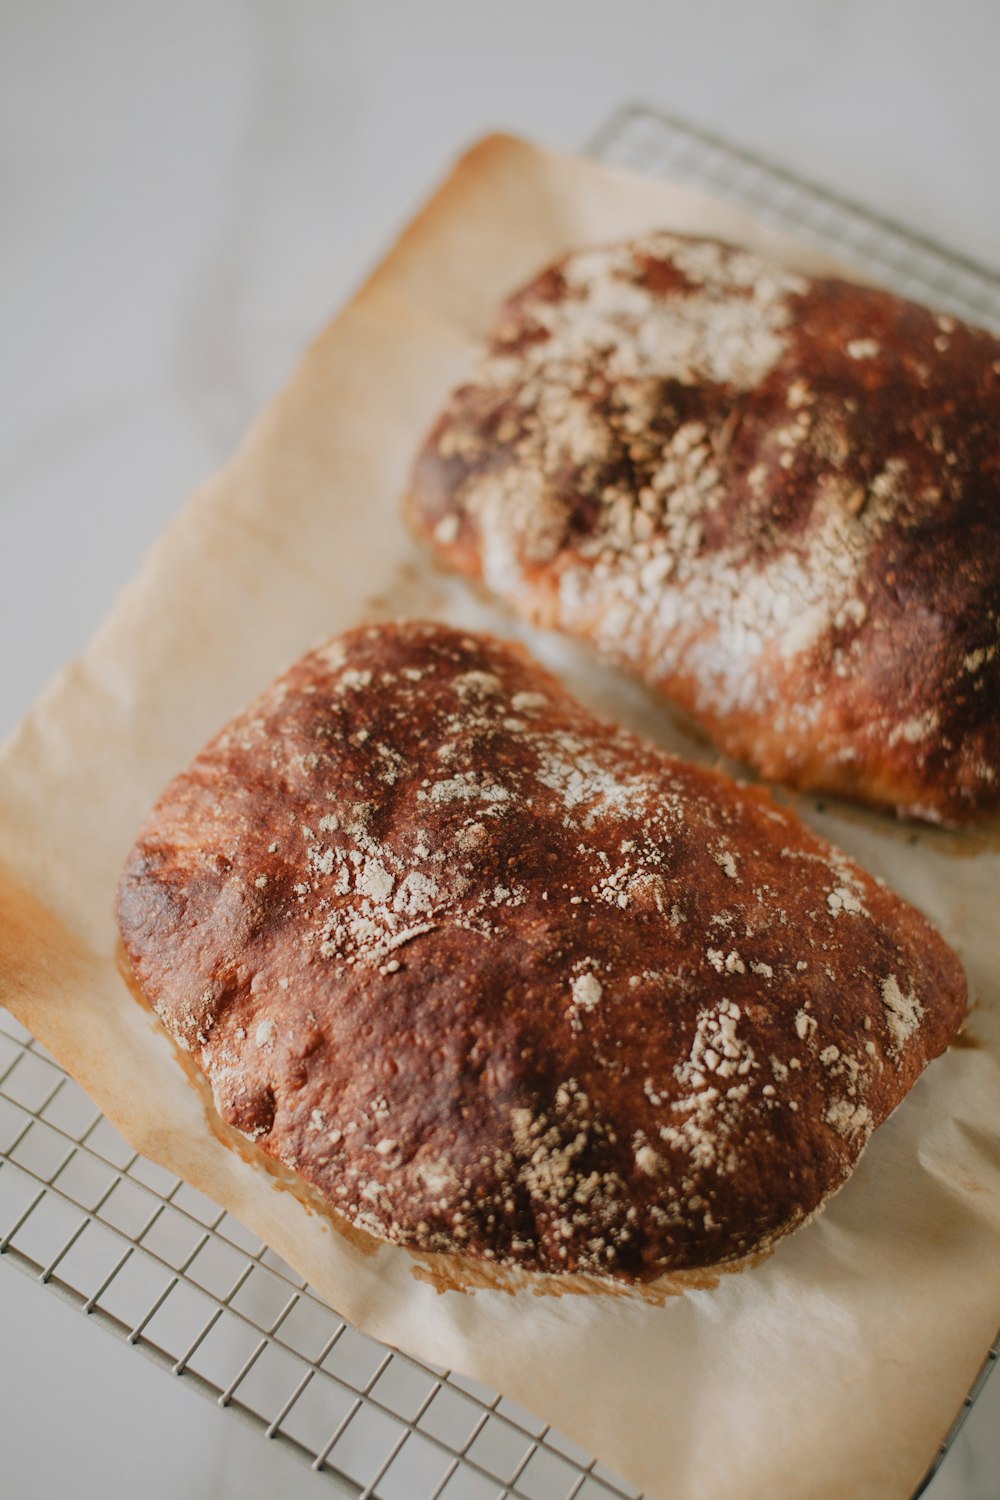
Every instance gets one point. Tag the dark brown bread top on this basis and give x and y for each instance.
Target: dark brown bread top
(776, 499)
(505, 981)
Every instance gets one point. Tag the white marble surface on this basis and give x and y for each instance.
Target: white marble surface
(188, 193)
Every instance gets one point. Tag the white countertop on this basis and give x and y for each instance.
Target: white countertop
(189, 192)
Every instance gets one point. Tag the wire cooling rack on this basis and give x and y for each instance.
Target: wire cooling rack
(157, 1263)
(160, 1265)
(647, 140)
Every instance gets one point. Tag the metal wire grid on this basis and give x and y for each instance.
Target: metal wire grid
(157, 1263)
(651, 141)
(160, 1265)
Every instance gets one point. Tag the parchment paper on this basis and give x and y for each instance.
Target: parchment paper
(833, 1368)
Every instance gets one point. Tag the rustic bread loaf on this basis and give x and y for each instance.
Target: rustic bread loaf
(504, 981)
(776, 499)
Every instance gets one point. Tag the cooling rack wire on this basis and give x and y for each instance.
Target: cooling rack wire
(159, 1265)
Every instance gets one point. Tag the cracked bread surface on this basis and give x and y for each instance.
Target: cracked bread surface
(774, 498)
(506, 982)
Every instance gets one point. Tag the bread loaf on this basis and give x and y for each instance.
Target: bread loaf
(503, 981)
(774, 498)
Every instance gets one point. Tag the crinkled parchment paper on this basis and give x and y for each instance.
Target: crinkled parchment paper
(835, 1366)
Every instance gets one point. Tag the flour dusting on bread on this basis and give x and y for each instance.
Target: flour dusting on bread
(777, 499)
(504, 981)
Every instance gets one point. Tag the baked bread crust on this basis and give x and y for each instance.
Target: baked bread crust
(774, 498)
(504, 981)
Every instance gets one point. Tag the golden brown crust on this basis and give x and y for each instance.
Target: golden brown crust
(775, 498)
(504, 981)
